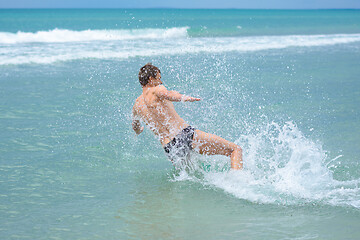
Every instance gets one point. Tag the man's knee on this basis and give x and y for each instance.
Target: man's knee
(234, 148)
(237, 148)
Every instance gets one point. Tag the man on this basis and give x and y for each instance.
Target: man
(154, 106)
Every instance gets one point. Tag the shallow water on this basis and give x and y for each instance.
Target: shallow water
(71, 167)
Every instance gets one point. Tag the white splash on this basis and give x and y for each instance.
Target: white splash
(281, 166)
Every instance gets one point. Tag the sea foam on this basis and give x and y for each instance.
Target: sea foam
(65, 35)
(281, 166)
(66, 45)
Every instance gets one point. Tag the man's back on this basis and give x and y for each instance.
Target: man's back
(158, 113)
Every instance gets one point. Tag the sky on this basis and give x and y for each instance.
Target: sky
(247, 4)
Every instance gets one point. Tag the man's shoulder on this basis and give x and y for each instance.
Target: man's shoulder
(137, 105)
(159, 89)
(137, 101)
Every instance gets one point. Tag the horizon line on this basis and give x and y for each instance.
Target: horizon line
(167, 8)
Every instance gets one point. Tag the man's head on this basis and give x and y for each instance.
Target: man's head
(148, 73)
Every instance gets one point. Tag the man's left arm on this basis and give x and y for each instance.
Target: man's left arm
(162, 93)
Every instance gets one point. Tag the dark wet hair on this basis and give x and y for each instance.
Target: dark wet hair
(147, 71)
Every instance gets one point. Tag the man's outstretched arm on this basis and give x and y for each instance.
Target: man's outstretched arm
(174, 96)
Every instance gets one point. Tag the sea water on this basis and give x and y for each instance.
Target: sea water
(284, 85)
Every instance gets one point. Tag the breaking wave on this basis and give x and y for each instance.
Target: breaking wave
(66, 45)
(65, 35)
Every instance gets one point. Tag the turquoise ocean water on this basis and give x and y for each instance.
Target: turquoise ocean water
(284, 85)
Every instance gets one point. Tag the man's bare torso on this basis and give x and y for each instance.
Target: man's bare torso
(158, 114)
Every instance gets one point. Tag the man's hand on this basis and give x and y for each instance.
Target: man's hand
(140, 130)
(137, 127)
(189, 99)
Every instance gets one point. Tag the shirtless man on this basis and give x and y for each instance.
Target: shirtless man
(154, 106)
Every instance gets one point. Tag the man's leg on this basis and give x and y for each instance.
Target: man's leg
(210, 144)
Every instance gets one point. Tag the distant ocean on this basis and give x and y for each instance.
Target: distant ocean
(282, 84)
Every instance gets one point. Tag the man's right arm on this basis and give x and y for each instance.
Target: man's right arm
(136, 125)
(174, 96)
